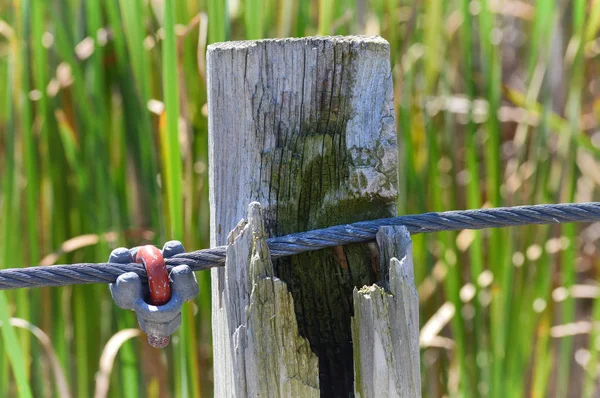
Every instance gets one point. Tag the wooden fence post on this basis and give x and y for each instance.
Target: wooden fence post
(306, 128)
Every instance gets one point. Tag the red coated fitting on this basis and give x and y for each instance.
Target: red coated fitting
(158, 283)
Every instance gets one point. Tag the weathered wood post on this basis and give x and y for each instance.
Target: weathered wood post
(306, 128)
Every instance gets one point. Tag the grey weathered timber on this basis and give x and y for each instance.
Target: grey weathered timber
(385, 326)
(305, 127)
(266, 356)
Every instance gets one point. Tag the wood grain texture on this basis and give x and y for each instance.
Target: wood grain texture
(305, 127)
(385, 326)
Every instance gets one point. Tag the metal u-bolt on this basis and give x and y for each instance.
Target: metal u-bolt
(157, 304)
(158, 284)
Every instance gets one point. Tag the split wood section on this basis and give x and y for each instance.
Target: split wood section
(385, 326)
(306, 128)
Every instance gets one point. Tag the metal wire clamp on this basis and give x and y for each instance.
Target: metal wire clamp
(157, 303)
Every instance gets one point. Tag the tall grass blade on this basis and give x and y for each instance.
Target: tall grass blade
(473, 198)
(326, 8)
(172, 174)
(107, 360)
(10, 224)
(568, 257)
(218, 21)
(253, 18)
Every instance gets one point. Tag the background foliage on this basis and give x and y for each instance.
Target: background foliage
(497, 104)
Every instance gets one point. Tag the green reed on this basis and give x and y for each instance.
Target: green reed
(104, 108)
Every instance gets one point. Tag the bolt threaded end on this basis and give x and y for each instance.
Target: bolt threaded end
(158, 341)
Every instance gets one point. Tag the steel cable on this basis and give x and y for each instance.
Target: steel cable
(60, 275)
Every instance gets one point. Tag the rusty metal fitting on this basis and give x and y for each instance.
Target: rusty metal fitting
(158, 303)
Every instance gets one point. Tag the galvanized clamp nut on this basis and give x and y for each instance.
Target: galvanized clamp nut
(128, 292)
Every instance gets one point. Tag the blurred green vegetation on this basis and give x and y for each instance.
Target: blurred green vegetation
(498, 103)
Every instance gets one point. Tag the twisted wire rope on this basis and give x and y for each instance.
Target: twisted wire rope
(363, 231)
